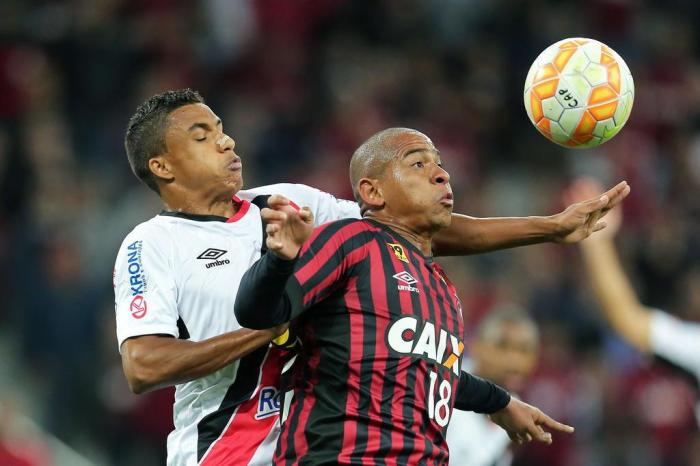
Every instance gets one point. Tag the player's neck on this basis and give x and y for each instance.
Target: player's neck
(220, 206)
(420, 239)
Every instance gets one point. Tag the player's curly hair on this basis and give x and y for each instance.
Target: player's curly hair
(145, 134)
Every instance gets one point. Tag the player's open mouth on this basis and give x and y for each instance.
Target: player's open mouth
(447, 199)
(235, 164)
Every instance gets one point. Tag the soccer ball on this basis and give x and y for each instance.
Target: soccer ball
(579, 93)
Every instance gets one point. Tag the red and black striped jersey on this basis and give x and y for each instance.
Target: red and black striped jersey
(376, 379)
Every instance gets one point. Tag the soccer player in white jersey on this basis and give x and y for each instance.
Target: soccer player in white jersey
(177, 274)
(651, 331)
(504, 350)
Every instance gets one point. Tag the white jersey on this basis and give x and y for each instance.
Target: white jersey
(178, 275)
(678, 342)
(474, 440)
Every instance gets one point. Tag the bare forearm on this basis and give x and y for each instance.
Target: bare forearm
(152, 362)
(615, 293)
(471, 235)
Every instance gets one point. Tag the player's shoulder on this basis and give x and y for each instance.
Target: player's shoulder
(157, 230)
(348, 228)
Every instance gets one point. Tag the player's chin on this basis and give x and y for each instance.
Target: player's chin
(235, 180)
(443, 218)
(446, 212)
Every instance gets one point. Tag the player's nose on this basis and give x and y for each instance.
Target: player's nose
(440, 175)
(225, 142)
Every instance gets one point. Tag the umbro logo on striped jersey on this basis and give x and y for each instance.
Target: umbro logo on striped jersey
(406, 281)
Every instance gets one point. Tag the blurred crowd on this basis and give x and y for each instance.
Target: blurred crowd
(299, 84)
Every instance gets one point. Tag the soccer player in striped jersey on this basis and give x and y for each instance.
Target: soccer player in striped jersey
(378, 374)
(177, 274)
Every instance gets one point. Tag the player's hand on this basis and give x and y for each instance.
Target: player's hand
(581, 219)
(525, 423)
(585, 188)
(287, 228)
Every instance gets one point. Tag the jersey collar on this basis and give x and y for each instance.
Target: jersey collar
(243, 207)
(400, 239)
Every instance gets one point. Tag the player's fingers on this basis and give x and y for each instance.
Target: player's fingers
(619, 195)
(306, 215)
(599, 226)
(272, 228)
(597, 203)
(269, 215)
(592, 220)
(548, 422)
(276, 201)
(515, 437)
(536, 432)
(620, 189)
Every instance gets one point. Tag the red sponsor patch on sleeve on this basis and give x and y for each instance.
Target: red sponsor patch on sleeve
(138, 307)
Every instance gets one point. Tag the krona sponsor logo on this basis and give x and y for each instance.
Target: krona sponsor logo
(137, 280)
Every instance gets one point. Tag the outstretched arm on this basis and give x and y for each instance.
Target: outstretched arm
(614, 291)
(471, 235)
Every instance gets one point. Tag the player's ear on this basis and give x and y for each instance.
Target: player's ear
(370, 192)
(161, 168)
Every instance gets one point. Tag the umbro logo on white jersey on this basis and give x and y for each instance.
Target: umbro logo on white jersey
(405, 280)
(214, 254)
(211, 254)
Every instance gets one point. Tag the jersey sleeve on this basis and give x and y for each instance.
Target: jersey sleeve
(144, 287)
(676, 340)
(326, 262)
(325, 207)
(480, 395)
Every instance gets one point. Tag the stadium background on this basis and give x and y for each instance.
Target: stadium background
(299, 84)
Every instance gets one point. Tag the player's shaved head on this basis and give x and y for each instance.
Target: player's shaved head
(372, 157)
